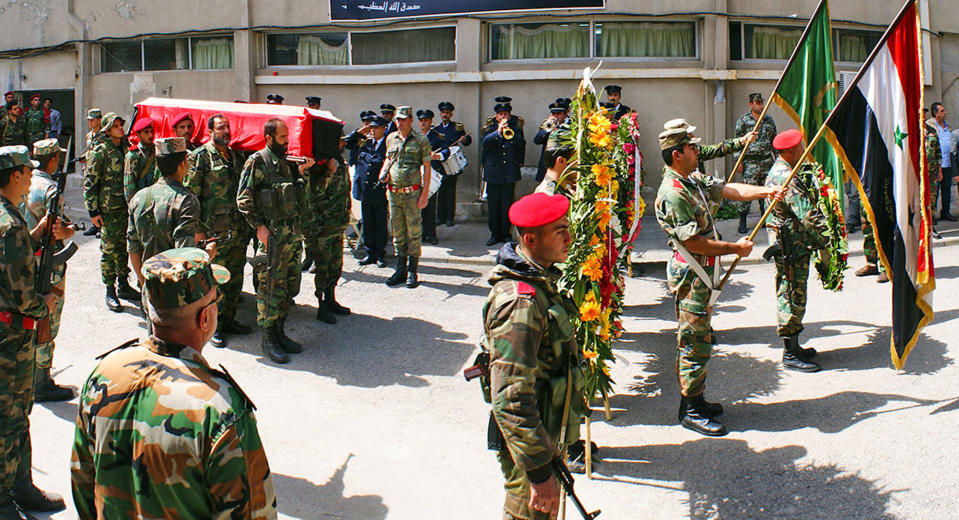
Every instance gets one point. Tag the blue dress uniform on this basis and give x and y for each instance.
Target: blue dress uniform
(374, 207)
(438, 143)
(385, 109)
(501, 160)
(542, 136)
(354, 142)
(446, 198)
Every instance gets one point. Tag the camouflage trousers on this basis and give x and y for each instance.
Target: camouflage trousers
(113, 247)
(754, 172)
(792, 275)
(693, 315)
(279, 283)
(17, 363)
(933, 196)
(328, 256)
(231, 254)
(517, 491)
(45, 350)
(406, 223)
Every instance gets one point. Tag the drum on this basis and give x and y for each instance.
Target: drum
(436, 179)
(456, 163)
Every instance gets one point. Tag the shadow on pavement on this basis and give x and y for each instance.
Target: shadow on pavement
(66, 410)
(429, 276)
(725, 478)
(301, 498)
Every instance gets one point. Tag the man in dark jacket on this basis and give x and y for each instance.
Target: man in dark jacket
(373, 193)
(441, 151)
(557, 116)
(503, 150)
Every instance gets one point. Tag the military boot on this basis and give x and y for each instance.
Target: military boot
(694, 415)
(286, 343)
(329, 295)
(125, 291)
(742, 224)
(411, 279)
(323, 311)
(9, 510)
(113, 303)
(30, 498)
(46, 390)
(796, 358)
(307, 262)
(219, 339)
(91, 231)
(400, 274)
(271, 345)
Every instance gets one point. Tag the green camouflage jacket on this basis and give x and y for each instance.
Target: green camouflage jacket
(103, 183)
(328, 200)
(681, 209)
(214, 181)
(714, 151)
(264, 170)
(139, 170)
(529, 331)
(13, 131)
(36, 125)
(798, 213)
(162, 216)
(406, 157)
(93, 140)
(160, 434)
(933, 152)
(762, 147)
(35, 207)
(17, 266)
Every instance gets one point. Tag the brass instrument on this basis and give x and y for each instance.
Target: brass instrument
(507, 133)
(549, 125)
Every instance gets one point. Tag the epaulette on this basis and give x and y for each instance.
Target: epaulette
(130, 343)
(222, 372)
(459, 127)
(521, 121)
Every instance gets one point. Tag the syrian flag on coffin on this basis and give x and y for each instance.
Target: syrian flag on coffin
(878, 128)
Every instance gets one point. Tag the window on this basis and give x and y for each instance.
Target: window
(434, 44)
(762, 42)
(540, 40)
(645, 39)
(200, 52)
(854, 45)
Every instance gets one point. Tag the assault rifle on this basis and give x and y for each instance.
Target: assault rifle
(566, 480)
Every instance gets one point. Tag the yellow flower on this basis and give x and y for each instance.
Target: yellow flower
(613, 189)
(599, 124)
(589, 310)
(594, 241)
(592, 269)
(602, 173)
(600, 140)
(603, 214)
(590, 354)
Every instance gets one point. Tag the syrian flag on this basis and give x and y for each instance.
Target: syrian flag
(878, 131)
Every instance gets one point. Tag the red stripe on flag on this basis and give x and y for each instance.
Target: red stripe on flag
(903, 44)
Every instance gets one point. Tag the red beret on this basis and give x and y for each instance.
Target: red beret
(788, 139)
(181, 117)
(35, 96)
(9, 93)
(142, 122)
(538, 209)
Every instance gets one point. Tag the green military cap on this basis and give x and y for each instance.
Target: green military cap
(94, 113)
(170, 146)
(179, 277)
(107, 122)
(404, 112)
(675, 137)
(47, 147)
(679, 123)
(14, 156)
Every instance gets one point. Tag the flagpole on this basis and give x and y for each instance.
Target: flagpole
(819, 134)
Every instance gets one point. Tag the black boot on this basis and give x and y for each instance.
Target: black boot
(400, 274)
(92, 230)
(307, 262)
(369, 260)
(742, 224)
(219, 339)
(125, 291)
(271, 345)
(323, 312)
(694, 416)
(411, 279)
(46, 390)
(329, 295)
(796, 358)
(30, 498)
(9, 510)
(113, 303)
(286, 343)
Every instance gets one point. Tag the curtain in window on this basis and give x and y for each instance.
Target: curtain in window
(409, 46)
(214, 53)
(646, 39)
(855, 47)
(772, 43)
(312, 50)
(543, 41)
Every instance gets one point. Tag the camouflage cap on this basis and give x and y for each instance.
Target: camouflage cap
(558, 139)
(404, 112)
(47, 147)
(14, 156)
(107, 121)
(756, 97)
(170, 146)
(675, 137)
(179, 277)
(94, 113)
(679, 123)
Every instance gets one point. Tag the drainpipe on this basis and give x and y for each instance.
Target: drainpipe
(79, 94)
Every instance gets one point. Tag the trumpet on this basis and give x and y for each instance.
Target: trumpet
(549, 124)
(507, 133)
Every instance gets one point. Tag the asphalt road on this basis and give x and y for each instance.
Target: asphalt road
(374, 419)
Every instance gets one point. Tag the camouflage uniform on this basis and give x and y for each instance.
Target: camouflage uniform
(683, 214)
(35, 125)
(13, 132)
(266, 176)
(139, 170)
(547, 186)
(162, 216)
(406, 157)
(160, 434)
(715, 151)
(934, 162)
(759, 154)
(533, 357)
(328, 213)
(213, 178)
(103, 195)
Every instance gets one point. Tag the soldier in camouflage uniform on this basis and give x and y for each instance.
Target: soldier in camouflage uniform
(711, 151)
(13, 130)
(759, 154)
(683, 211)
(213, 177)
(271, 198)
(93, 138)
(799, 227)
(20, 309)
(161, 434)
(139, 165)
(35, 123)
(407, 175)
(536, 385)
(43, 187)
(328, 203)
(934, 168)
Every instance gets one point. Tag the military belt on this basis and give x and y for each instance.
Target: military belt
(404, 189)
(14, 318)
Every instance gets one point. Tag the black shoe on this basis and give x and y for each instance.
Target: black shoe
(286, 343)
(936, 235)
(449, 223)
(380, 262)
(694, 416)
(47, 390)
(947, 216)
(806, 353)
(411, 279)
(492, 241)
(329, 295)
(271, 346)
(93, 230)
(125, 291)
(113, 303)
(742, 224)
(307, 262)
(324, 314)
(369, 260)
(399, 276)
(218, 340)
(30, 498)
(795, 358)
(231, 326)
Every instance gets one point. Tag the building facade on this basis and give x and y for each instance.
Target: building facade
(697, 60)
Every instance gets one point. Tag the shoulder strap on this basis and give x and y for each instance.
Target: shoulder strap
(711, 282)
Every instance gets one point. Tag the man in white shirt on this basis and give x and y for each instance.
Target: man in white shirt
(948, 168)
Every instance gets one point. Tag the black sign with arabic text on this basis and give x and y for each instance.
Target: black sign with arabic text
(345, 10)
